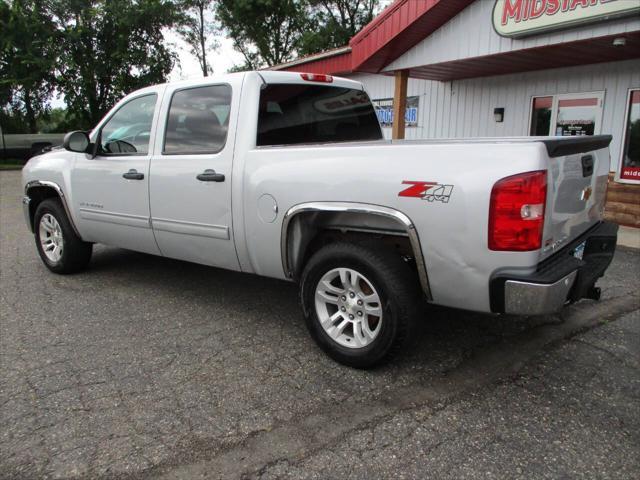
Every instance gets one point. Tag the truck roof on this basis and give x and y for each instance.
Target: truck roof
(269, 76)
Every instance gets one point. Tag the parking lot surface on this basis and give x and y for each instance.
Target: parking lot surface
(144, 367)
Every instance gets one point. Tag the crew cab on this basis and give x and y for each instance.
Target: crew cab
(287, 175)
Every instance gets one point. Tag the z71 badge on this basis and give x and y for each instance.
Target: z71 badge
(429, 191)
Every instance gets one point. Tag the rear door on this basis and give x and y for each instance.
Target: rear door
(190, 186)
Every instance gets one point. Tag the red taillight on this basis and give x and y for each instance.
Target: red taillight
(316, 77)
(516, 213)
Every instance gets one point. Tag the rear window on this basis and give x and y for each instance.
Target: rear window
(294, 114)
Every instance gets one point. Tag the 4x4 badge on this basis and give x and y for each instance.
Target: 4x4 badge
(430, 191)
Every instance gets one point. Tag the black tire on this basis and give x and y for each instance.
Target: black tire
(76, 254)
(397, 286)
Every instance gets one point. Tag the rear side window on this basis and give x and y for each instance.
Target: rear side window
(295, 114)
(198, 120)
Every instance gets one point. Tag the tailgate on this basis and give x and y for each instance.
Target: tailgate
(577, 188)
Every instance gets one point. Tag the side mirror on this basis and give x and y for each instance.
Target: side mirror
(77, 141)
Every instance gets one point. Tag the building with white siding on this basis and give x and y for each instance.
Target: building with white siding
(469, 68)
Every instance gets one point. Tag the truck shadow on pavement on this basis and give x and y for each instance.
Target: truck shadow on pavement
(442, 337)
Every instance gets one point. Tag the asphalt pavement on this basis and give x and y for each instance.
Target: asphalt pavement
(144, 367)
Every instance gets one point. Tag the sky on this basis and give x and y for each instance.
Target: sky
(188, 67)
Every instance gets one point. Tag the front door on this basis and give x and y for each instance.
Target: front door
(190, 186)
(111, 191)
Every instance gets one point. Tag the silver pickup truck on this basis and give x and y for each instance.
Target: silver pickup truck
(287, 175)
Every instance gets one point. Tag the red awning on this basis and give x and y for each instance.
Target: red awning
(331, 62)
(398, 28)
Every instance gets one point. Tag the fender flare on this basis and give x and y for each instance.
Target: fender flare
(54, 186)
(349, 207)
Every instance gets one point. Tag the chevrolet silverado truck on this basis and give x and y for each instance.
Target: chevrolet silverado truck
(288, 176)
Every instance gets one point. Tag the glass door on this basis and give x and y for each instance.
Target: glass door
(571, 114)
(578, 114)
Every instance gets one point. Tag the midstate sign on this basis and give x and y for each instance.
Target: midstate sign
(518, 18)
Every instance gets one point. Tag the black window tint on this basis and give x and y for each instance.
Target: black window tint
(198, 120)
(128, 131)
(293, 114)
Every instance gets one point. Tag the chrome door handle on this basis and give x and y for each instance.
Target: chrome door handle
(133, 175)
(210, 176)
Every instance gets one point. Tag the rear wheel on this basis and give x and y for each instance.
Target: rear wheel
(359, 302)
(61, 250)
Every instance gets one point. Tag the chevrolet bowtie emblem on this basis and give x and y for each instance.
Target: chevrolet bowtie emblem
(586, 194)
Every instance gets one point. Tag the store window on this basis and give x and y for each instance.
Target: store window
(630, 165)
(541, 108)
(571, 114)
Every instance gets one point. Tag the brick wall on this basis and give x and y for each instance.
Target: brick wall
(623, 203)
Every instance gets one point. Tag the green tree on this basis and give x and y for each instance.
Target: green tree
(266, 32)
(109, 48)
(198, 30)
(269, 32)
(337, 21)
(27, 59)
(57, 120)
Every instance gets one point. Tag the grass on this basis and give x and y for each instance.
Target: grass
(11, 164)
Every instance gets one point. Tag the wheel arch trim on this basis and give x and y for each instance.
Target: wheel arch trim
(55, 187)
(363, 208)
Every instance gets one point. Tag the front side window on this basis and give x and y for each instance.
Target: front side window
(128, 131)
(198, 120)
(297, 114)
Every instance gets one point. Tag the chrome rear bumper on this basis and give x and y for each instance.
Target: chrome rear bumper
(525, 298)
(562, 278)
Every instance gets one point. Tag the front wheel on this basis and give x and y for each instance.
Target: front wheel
(359, 301)
(61, 250)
